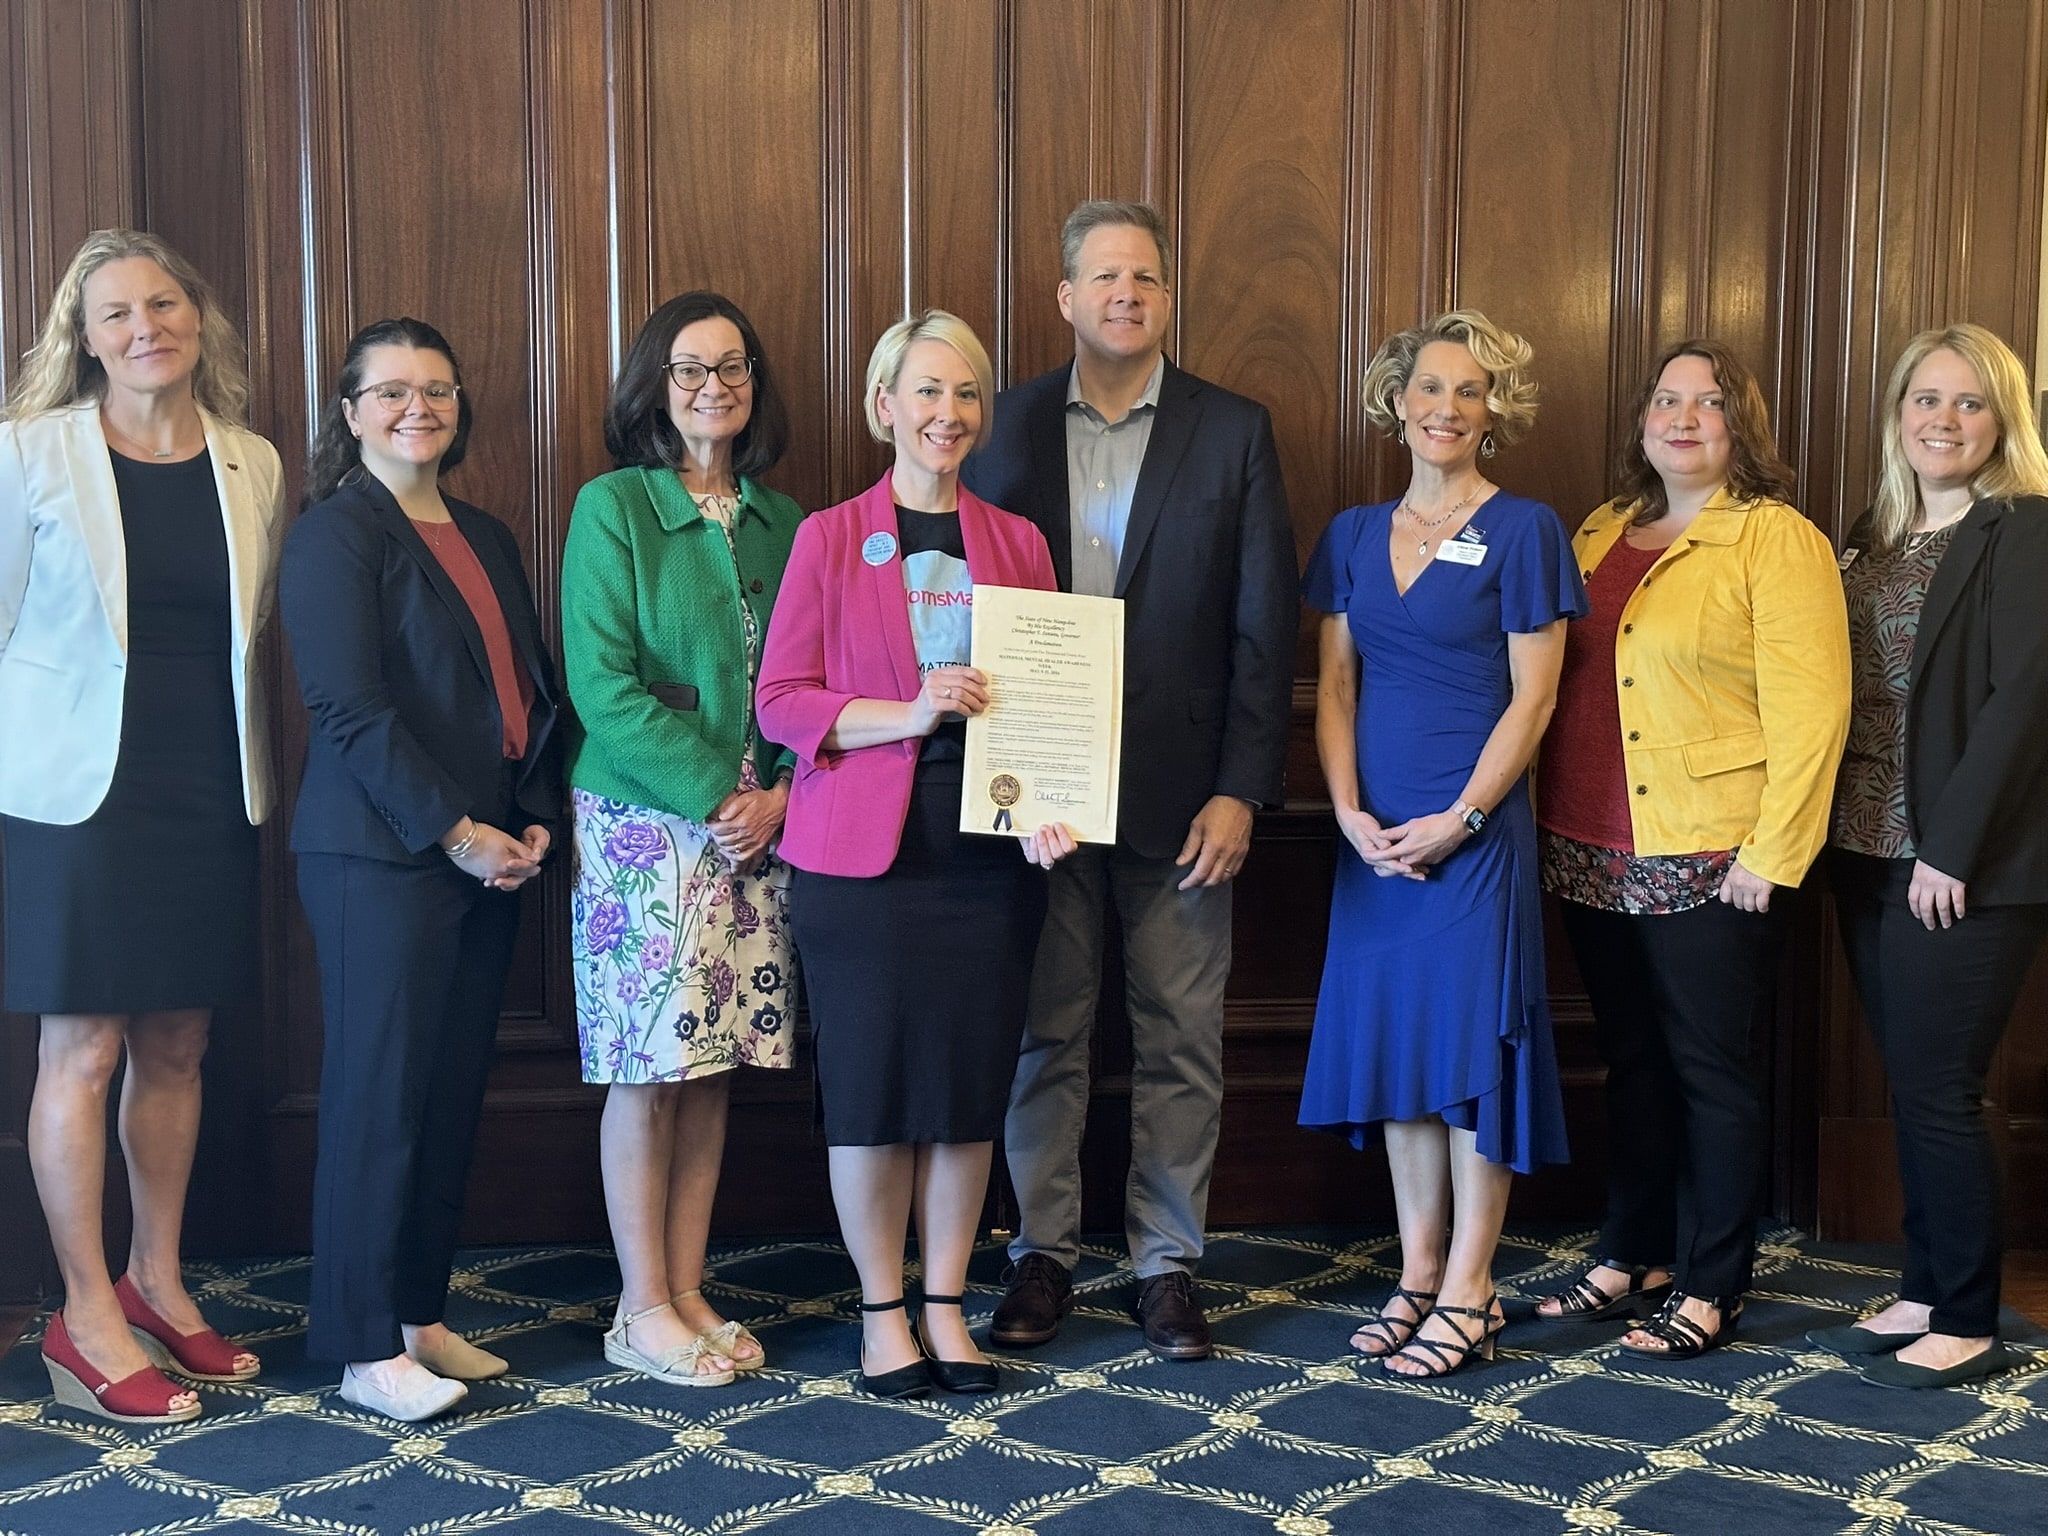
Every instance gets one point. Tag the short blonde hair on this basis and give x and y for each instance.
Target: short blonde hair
(57, 371)
(2018, 465)
(1510, 388)
(885, 364)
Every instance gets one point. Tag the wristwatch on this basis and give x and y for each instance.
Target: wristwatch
(1473, 817)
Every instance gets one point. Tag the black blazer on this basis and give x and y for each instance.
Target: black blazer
(1977, 705)
(406, 734)
(1208, 579)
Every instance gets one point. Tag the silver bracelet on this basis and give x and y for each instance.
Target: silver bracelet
(457, 850)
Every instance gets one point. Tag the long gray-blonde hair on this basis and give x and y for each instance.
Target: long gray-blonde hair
(2018, 465)
(57, 371)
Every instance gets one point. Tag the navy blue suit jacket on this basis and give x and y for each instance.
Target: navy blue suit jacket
(406, 734)
(1208, 578)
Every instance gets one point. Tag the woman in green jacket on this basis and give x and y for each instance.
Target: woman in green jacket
(681, 944)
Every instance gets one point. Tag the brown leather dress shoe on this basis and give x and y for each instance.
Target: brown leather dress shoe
(1041, 1293)
(1168, 1311)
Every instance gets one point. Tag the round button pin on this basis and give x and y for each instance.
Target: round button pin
(878, 548)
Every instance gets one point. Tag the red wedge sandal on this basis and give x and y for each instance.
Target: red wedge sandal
(143, 1398)
(201, 1356)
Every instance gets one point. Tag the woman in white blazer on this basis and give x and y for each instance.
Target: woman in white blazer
(138, 530)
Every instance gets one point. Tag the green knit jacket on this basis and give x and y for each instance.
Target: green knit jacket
(650, 597)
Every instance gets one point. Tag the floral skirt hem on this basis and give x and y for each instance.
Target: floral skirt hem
(682, 967)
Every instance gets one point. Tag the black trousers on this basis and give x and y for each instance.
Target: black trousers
(1677, 1001)
(1938, 1001)
(412, 970)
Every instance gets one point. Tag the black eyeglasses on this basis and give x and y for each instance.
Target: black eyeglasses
(732, 373)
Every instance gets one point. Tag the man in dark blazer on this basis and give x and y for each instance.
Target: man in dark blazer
(1155, 487)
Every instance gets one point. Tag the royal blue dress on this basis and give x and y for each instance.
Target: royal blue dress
(1434, 999)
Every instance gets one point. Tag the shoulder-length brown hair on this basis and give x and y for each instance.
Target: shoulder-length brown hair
(1756, 472)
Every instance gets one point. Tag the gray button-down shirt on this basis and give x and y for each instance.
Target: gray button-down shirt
(1103, 459)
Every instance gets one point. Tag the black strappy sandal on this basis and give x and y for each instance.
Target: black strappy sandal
(1684, 1339)
(912, 1380)
(1380, 1327)
(1447, 1356)
(1583, 1301)
(952, 1375)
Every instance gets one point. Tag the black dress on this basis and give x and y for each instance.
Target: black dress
(150, 903)
(917, 978)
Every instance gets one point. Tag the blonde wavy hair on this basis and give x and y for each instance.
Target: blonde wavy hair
(57, 371)
(885, 365)
(1510, 387)
(2018, 465)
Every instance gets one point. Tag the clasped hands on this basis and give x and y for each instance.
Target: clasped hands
(746, 822)
(495, 857)
(1407, 850)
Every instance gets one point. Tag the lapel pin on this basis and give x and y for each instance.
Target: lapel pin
(234, 466)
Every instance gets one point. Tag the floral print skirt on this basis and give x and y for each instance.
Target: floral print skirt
(682, 967)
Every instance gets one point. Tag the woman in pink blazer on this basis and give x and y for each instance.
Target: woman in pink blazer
(865, 677)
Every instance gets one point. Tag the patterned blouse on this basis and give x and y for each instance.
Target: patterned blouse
(722, 510)
(1885, 591)
(1642, 885)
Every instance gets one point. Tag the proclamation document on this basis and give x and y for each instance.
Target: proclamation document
(1050, 743)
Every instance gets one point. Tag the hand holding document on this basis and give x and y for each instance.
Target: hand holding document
(1049, 746)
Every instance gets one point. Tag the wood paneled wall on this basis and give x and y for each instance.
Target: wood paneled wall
(1811, 180)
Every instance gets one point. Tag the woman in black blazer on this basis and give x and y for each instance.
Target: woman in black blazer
(432, 787)
(1938, 850)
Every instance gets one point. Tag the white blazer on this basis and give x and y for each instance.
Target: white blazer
(64, 608)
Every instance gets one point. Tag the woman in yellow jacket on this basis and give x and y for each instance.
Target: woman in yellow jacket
(1685, 777)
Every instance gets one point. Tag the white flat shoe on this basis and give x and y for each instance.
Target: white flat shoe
(678, 1367)
(436, 1395)
(459, 1360)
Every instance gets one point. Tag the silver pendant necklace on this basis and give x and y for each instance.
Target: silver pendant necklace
(1422, 544)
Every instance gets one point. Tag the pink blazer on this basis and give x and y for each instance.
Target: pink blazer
(841, 631)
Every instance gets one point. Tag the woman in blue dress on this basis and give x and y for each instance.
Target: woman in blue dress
(1440, 653)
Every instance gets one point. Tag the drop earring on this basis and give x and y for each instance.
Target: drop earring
(1400, 431)
(1486, 446)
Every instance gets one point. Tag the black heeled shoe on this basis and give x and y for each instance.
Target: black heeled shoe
(953, 1375)
(912, 1380)
(1581, 1301)
(1680, 1336)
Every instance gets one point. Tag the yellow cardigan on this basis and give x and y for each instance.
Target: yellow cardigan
(1732, 665)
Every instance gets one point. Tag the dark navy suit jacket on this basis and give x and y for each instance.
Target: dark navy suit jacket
(1208, 578)
(406, 734)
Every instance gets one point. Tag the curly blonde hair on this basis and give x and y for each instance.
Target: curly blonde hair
(57, 371)
(1510, 387)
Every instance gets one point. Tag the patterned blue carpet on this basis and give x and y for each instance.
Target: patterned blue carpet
(1284, 1432)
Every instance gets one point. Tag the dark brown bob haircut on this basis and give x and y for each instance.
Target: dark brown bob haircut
(637, 431)
(1756, 472)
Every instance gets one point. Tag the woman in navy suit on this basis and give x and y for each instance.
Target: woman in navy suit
(432, 786)
(137, 523)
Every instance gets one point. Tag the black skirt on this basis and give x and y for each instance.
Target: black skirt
(150, 903)
(917, 978)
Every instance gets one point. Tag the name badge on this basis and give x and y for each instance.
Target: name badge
(1459, 552)
(1847, 558)
(878, 547)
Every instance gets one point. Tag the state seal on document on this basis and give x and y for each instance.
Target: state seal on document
(1004, 791)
